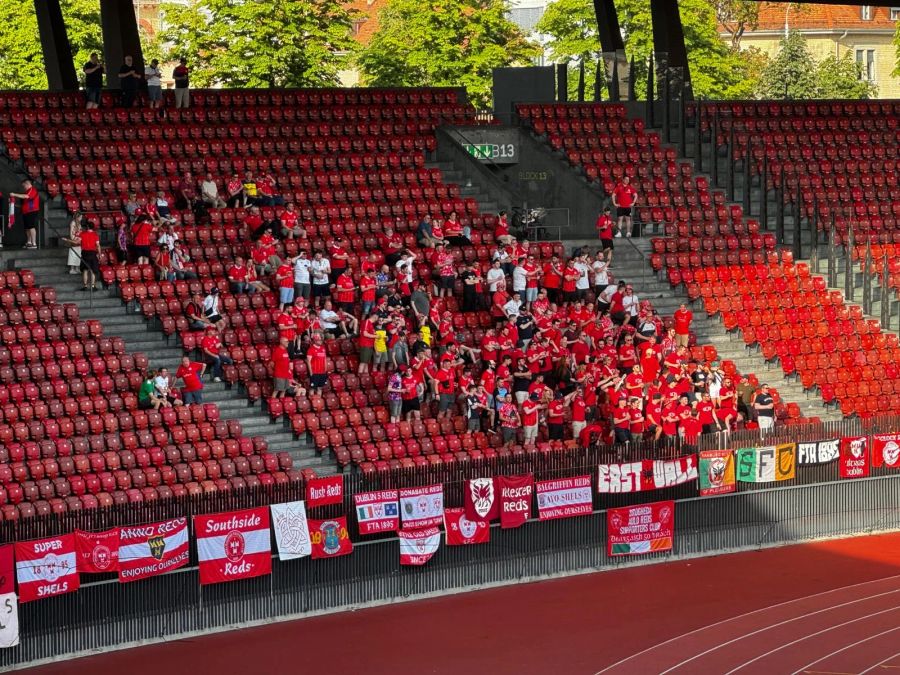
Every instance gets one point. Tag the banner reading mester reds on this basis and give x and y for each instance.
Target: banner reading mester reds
(515, 499)
(422, 506)
(649, 474)
(564, 497)
(886, 450)
(854, 457)
(148, 550)
(323, 491)
(646, 528)
(46, 567)
(377, 511)
(232, 546)
(98, 552)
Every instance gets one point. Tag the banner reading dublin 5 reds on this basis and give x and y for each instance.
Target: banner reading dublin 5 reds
(646, 528)
(291, 530)
(716, 472)
(98, 552)
(148, 550)
(232, 546)
(460, 530)
(854, 457)
(330, 538)
(648, 474)
(46, 567)
(480, 499)
(515, 499)
(422, 506)
(886, 450)
(564, 497)
(818, 452)
(767, 464)
(377, 511)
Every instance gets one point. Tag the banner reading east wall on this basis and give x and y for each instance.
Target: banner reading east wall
(649, 474)
(564, 497)
(646, 528)
(854, 457)
(716, 472)
(818, 452)
(232, 546)
(767, 464)
(148, 550)
(886, 450)
(422, 506)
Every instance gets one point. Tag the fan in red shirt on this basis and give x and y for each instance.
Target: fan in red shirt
(531, 408)
(344, 290)
(316, 361)
(605, 233)
(683, 318)
(290, 226)
(552, 278)
(190, 373)
(140, 240)
(337, 253)
(391, 244)
(570, 277)
(281, 368)
(623, 197)
(501, 231)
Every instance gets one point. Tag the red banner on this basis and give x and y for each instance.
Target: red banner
(46, 567)
(417, 547)
(515, 499)
(7, 570)
(98, 552)
(377, 511)
(330, 538)
(323, 491)
(649, 474)
(886, 450)
(564, 497)
(155, 548)
(854, 460)
(233, 546)
(461, 531)
(646, 528)
(480, 499)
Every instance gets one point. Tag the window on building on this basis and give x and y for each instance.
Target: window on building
(866, 60)
(357, 25)
(866, 12)
(895, 13)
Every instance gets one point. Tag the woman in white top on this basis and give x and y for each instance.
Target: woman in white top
(74, 259)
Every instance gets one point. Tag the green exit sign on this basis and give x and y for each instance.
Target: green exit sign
(502, 153)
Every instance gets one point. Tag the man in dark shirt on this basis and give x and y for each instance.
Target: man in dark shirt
(93, 81)
(765, 408)
(128, 82)
(182, 91)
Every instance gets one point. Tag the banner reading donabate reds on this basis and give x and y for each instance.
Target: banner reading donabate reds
(46, 567)
(649, 474)
(480, 499)
(462, 531)
(422, 506)
(148, 550)
(98, 552)
(377, 511)
(646, 528)
(232, 546)
(854, 457)
(323, 491)
(886, 450)
(515, 499)
(418, 546)
(564, 497)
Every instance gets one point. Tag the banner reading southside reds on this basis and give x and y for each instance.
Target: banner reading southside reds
(148, 550)
(232, 546)
(515, 499)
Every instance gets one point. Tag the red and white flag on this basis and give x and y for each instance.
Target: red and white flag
(148, 550)
(422, 506)
(7, 570)
(98, 552)
(330, 538)
(481, 499)
(418, 546)
(854, 460)
(232, 546)
(377, 511)
(515, 499)
(46, 567)
(564, 497)
(886, 450)
(459, 530)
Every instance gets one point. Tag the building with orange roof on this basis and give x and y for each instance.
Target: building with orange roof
(865, 31)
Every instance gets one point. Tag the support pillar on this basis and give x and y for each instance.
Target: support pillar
(55, 46)
(668, 36)
(120, 38)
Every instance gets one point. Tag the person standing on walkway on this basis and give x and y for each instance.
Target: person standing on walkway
(181, 75)
(31, 211)
(154, 84)
(129, 78)
(93, 81)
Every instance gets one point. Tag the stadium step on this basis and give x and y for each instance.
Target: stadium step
(469, 187)
(141, 335)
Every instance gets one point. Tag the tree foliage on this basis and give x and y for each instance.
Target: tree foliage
(795, 74)
(736, 17)
(21, 59)
(451, 43)
(244, 43)
(572, 27)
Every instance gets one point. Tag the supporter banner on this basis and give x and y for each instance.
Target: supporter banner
(716, 472)
(854, 457)
(46, 567)
(480, 499)
(646, 528)
(418, 546)
(148, 550)
(564, 497)
(9, 620)
(330, 538)
(818, 452)
(515, 499)
(649, 474)
(886, 450)
(460, 530)
(767, 464)
(422, 506)
(291, 530)
(233, 546)
(98, 552)
(7, 570)
(377, 511)
(324, 491)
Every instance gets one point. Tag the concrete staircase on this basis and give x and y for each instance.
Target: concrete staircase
(468, 188)
(140, 335)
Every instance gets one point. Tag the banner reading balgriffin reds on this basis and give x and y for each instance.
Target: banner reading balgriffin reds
(232, 546)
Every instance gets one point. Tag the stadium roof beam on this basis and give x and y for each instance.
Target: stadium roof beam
(55, 45)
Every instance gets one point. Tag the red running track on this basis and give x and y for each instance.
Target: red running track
(825, 608)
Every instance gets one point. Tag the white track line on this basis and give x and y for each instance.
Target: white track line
(843, 649)
(742, 616)
(880, 663)
(806, 637)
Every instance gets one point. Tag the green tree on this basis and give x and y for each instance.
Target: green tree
(795, 74)
(454, 43)
(21, 59)
(572, 27)
(244, 43)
